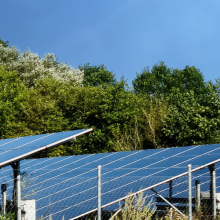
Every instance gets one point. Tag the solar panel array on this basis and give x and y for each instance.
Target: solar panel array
(67, 186)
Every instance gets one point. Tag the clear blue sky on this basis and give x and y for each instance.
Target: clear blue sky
(124, 35)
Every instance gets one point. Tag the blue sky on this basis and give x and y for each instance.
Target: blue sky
(124, 35)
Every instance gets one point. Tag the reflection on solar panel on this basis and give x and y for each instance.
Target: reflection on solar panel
(67, 186)
(15, 149)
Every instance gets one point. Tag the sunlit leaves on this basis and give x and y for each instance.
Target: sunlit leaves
(31, 67)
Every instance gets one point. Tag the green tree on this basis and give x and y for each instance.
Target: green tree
(162, 79)
(12, 91)
(193, 105)
(192, 121)
(97, 75)
(30, 67)
(107, 110)
(4, 43)
(25, 111)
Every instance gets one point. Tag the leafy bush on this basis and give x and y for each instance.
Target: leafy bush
(135, 209)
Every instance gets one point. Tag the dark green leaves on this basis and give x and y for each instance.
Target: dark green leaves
(97, 75)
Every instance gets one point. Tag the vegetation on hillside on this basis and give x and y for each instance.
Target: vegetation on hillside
(166, 107)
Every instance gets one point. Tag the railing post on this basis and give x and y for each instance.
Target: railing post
(213, 190)
(214, 194)
(198, 199)
(190, 191)
(4, 198)
(99, 191)
(18, 191)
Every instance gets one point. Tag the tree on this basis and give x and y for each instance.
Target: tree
(191, 121)
(12, 91)
(97, 75)
(107, 110)
(30, 67)
(4, 43)
(193, 115)
(162, 79)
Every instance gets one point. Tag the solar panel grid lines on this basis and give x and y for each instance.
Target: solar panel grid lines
(95, 197)
(25, 162)
(154, 173)
(147, 189)
(8, 141)
(53, 170)
(28, 161)
(95, 177)
(71, 171)
(25, 144)
(66, 165)
(90, 171)
(147, 167)
(72, 196)
(16, 149)
(131, 162)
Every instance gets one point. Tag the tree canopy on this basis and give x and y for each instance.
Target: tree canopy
(97, 75)
(161, 80)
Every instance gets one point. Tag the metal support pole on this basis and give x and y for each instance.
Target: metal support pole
(4, 198)
(213, 190)
(198, 199)
(190, 191)
(170, 189)
(18, 191)
(214, 193)
(99, 191)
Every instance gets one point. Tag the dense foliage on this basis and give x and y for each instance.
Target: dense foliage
(168, 107)
(97, 75)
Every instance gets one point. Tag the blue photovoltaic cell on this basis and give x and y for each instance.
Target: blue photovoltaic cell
(67, 186)
(19, 148)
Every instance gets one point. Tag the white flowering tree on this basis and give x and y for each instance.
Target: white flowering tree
(31, 67)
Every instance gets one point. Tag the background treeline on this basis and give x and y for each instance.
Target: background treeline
(165, 108)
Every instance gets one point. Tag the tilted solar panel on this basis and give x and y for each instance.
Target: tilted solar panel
(67, 186)
(16, 149)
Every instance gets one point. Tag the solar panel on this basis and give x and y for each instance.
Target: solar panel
(67, 186)
(15, 149)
